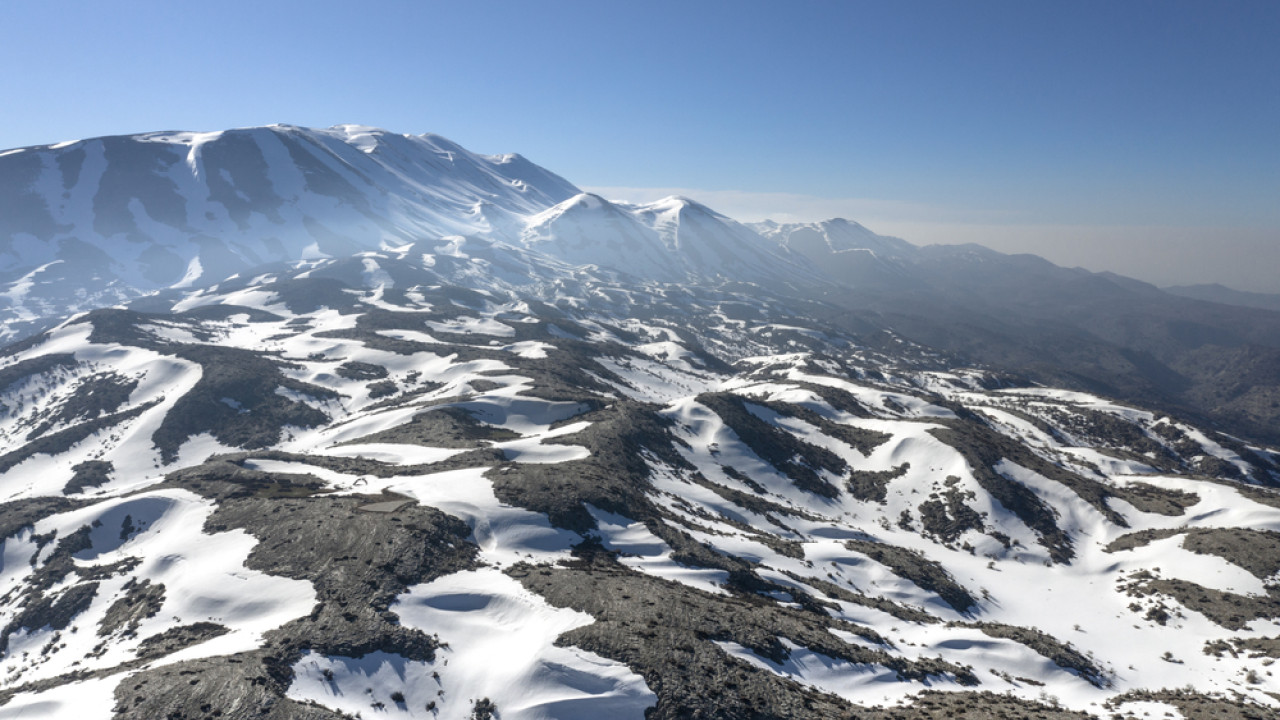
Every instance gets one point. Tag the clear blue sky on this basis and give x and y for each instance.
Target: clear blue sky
(934, 119)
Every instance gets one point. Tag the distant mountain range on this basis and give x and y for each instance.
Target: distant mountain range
(1226, 296)
(341, 423)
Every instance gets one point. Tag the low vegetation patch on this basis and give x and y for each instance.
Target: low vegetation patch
(945, 515)
(873, 485)
(1257, 551)
(447, 426)
(983, 449)
(1229, 610)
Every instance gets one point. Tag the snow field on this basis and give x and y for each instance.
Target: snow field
(642, 550)
(854, 682)
(393, 453)
(204, 578)
(480, 616)
(89, 699)
(127, 445)
(1076, 603)
(473, 326)
(655, 381)
(874, 398)
(507, 409)
(501, 638)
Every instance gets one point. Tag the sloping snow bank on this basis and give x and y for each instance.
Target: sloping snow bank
(499, 644)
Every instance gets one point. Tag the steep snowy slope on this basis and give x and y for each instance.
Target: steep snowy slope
(460, 479)
(96, 221)
(588, 230)
(714, 245)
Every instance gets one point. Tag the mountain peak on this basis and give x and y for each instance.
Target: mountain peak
(589, 201)
(678, 204)
(136, 213)
(836, 235)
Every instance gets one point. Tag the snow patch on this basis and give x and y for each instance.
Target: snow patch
(480, 616)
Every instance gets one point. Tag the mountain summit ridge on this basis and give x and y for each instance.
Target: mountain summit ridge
(104, 219)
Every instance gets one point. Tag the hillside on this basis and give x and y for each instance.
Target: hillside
(361, 487)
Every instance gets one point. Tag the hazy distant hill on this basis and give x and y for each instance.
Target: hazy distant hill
(1098, 332)
(1227, 296)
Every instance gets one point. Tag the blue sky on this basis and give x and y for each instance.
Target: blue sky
(1094, 133)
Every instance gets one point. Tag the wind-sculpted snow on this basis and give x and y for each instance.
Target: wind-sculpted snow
(104, 581)
(380, 485)
(481, 615)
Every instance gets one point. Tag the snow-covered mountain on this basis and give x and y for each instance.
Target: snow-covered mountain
(599, 460)
(672, 240)
(95, 222)
(837, 236)
(115, 216)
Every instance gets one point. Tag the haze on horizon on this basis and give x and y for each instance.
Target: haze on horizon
(1135, 137)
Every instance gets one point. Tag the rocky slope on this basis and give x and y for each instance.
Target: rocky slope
(464, 480)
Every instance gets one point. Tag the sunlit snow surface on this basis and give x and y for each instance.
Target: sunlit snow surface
(477, 361)
(204, 576)
(499, 645)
